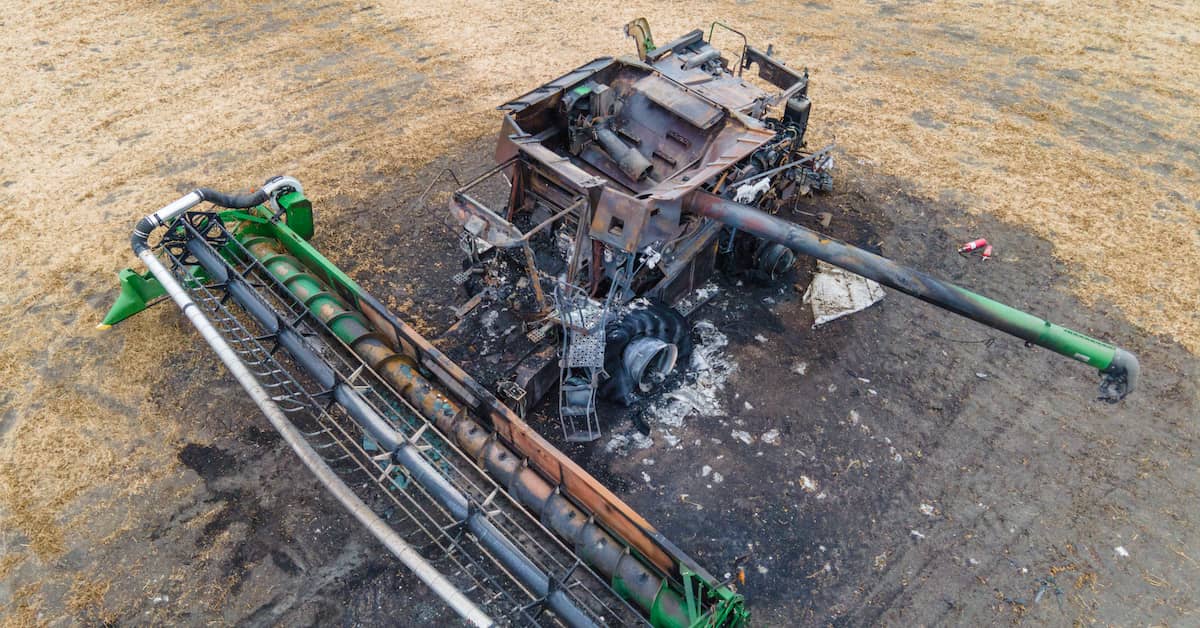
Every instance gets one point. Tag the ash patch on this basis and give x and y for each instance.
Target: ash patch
(208, 461)
(699, 393)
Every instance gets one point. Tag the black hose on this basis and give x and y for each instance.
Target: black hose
(232, 201)
(141, 231)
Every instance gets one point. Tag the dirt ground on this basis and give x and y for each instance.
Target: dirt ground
(928, 472)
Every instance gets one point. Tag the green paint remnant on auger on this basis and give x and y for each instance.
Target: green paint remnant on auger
(1041, 332)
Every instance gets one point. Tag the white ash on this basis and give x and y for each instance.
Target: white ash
(488, 320)
(710, 369)
(621, 442)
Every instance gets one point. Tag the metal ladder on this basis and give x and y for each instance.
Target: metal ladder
(582, 356)
(581, 364)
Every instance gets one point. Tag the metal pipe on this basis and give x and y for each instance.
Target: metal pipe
(272, 186)
(631, 162)
(1119, 368)
(437, 582)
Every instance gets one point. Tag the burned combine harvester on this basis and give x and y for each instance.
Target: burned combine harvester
(620, 187)
(624, 182)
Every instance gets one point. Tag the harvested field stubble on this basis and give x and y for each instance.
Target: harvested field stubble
(1075, 120)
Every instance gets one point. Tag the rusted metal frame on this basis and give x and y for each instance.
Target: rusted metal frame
(428, 188)
(776, 74)
(486, 174)
(534, 276)
(551, 220)
(531, 263)
(562, 167)
(745, 42)
(581, 231)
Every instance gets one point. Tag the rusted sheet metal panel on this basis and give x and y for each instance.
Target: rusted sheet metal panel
(776, 73)
(669, 95)
(734, 143)
(554, 87)
(558, 164)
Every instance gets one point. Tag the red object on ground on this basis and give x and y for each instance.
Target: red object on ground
(973, 245)
(987, 252)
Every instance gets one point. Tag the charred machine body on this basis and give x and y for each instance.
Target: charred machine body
(624, 184)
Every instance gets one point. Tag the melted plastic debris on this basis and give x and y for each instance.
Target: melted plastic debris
(750, 192)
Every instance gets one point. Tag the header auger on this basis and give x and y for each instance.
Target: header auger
(619, 189)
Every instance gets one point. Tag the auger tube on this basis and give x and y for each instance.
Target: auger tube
(403, 453)
(428, 574)
(1119, 368)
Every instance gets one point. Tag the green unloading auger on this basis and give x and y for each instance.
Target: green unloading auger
(1118, 368)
